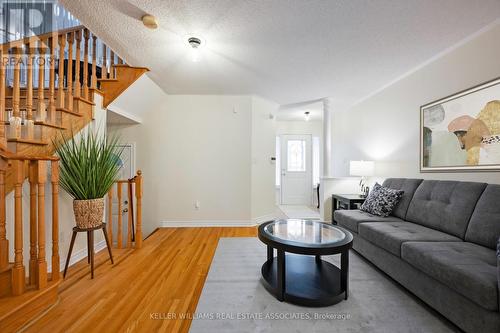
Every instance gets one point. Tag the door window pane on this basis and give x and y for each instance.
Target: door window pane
(296, 151)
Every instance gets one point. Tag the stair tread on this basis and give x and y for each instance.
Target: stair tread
(107, 80)
(85, 100)
(48, 124)
(136, 67)
(7, 268)
(29, 141)
(69, 111)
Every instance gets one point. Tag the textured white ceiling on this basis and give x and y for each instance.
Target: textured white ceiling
(284, 50)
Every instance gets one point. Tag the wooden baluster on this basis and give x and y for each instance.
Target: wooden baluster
(15, 120)
(138, 195)
(60, 73)
(129, 217)
(52, 79)
(104, 68)
(119, 231)
(4, 59)
(30, 125)
(120, 61)
(33, 263)
(55, 220)
(78, 87)
(41, 110)
(112, 63)
(18, 272)
(94, 62)
(110, 215)
(69, 78)
(42, 263)
(86, 36)
(4, 243)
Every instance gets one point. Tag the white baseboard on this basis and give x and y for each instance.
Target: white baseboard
(205, 223)
(76, 256)
(221, 223)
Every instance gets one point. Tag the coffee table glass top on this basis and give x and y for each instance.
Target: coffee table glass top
(305, 232)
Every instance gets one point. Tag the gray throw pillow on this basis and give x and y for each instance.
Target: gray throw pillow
(382, 200)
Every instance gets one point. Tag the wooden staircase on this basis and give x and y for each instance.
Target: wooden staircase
(49, 85)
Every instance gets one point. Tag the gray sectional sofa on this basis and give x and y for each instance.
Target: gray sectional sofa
(440, 243)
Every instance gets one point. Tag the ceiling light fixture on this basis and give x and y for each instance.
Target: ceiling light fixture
(150, 21)
(196, 44)
(306, 115)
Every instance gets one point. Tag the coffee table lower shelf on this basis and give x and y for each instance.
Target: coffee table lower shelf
(308, 281)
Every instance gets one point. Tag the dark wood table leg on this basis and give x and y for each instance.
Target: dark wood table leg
(270, 253)
(344, 272)
(107, 243)
(317, 192)
(334, 208)
(88, 247)
(281, 276)
(73, 236)
(91, 236)
(318, 259)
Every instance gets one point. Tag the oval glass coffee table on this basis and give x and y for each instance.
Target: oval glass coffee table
(302, 277)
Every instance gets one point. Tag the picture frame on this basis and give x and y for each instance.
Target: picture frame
(461, 132)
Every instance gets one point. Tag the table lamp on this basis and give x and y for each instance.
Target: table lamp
(363, 169)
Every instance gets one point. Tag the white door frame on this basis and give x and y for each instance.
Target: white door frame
(283, 164)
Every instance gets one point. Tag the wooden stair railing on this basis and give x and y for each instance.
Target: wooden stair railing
(134, 221)
(47, 84)
(23, 296)
(37, 167)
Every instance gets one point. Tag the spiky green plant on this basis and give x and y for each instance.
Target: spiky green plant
(89, 164)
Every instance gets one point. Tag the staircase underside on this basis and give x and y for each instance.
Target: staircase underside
(125, 76)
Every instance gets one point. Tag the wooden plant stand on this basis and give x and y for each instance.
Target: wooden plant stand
(90, 246)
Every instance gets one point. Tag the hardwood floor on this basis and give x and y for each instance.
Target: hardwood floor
(136, 294)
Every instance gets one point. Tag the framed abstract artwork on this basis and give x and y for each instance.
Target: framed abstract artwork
(462, 132)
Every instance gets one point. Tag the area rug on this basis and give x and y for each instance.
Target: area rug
(234, 300)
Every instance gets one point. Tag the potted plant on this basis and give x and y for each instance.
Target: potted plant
(89, 166)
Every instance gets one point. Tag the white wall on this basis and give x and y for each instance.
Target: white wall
(385, 127)
(202, 148)
(263, 148)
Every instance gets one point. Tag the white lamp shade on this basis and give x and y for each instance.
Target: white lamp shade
(362, 168)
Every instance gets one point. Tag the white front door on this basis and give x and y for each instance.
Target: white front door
(296, 170)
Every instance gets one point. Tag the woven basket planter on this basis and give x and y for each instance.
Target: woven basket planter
(88, 213)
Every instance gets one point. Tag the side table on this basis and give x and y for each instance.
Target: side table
(346, 201)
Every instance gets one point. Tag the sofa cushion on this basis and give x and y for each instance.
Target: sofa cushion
(350, 219)
(390, 235)
(467, 268)
(484, 225)
(444, 205)
(408, 186)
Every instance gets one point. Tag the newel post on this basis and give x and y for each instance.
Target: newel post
(33, 262)
(138, 195)
(55, 220)
(4, 243)
(42, 263)
(18, 271)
